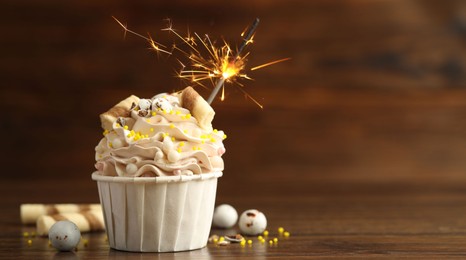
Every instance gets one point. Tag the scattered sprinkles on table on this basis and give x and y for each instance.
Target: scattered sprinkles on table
(261, 239)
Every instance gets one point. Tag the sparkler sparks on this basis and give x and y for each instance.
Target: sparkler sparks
(208, 62)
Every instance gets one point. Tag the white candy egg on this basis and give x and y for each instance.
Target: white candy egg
(144, 104)
(252, 222)
(225, 216)
(131, 168)
(159, 155)
(162, 103)
(117, 143)
(174, 101)
(173, 156)
(64, 235)
(167, 145)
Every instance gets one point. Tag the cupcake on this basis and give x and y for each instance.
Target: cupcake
(157, 169)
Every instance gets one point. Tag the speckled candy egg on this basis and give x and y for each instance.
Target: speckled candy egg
(162, 103)
(145, 104)
(64, 235)
(252, 222)
(225, 216)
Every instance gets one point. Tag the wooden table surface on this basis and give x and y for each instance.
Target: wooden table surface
(341, 219)
(359, 151)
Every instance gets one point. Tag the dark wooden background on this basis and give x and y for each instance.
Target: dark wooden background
(362, 132)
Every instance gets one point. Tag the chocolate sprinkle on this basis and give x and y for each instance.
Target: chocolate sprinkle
(143, 113)
(121, 121)
(133, 105)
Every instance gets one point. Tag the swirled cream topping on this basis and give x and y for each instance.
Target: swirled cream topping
(159, 137)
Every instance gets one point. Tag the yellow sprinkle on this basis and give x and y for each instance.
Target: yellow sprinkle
(199, 148)
(105, 132)
(203, 137)
(25, 234)
(173, 138)
(117, 125)
(212, 140)
(224, 136)
(110, 144)
(85, 242)
(183, 117)
(286, 234)
(194, 148)
(148, 120)
(181, 144)
(185, 131)
(262, 241)
(275, 240)
(164, 111)
(147, 136)
(179, 150)
(164, 135)
(125, 127)
(154, 113)
(266, 233)
(249, 242)
(172, 112)
(152, 129)
(29, 242)
(243, 242)
(215, 130)
(100, 156)
(270, 242)
(221, 239)
(215, 240)
(280, 230)
(172, 126)
(178, 112)
(136, 138)
(128, 135)
(260, 237)
(188, 116)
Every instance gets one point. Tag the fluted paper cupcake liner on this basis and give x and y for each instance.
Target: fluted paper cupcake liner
(158, 214)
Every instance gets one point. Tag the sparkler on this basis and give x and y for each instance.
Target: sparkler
(231, 67)
(207, 62)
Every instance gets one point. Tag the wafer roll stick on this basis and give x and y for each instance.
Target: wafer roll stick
(200, 109)
(86, 221)
(121, 109)
(31, 212)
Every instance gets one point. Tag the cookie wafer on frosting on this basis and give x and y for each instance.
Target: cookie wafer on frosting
(121, 109)
(200, 109)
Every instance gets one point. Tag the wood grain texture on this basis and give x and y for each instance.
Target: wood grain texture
(359, 150)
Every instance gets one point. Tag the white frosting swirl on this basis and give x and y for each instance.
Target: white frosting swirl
(160, 144)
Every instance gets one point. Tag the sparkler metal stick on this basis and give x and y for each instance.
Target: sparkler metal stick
(246, 40)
